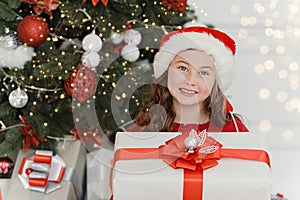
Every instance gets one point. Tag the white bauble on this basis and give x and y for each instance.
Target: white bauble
(92, 42)
(117, 38)
(18, 98)
(130, 53)
(90, 59)
(133, 37)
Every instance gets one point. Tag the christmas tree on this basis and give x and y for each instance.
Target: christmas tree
(77, 68)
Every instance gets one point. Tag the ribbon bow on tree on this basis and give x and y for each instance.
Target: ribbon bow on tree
(95, 2)
(191, 151)
(30, 135)
(44, 5)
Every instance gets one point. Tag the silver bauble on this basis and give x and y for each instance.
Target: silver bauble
(18, 98)
(9, 40)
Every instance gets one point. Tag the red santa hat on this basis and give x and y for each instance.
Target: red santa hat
(213, 42)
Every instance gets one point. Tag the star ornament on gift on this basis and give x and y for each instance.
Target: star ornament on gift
(195, 140)
(191, 151)
(43, 172)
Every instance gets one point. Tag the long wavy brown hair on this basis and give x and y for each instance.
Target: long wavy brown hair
(158, 113)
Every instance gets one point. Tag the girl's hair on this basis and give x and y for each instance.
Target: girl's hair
(157, 120)
(160, 95)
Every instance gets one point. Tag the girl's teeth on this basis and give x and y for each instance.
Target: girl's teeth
(188, 91)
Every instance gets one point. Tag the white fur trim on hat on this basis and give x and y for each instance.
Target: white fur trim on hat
(223, 57)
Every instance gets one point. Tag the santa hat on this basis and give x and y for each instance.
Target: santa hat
(213, 42)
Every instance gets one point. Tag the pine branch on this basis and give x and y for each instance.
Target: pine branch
(50, 109)
(7, 12)
(14, 4)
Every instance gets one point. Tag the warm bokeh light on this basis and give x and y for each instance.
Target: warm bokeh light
(264, 93)
(265, 125)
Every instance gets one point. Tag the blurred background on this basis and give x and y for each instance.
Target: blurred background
(63, 64)
(266, 87)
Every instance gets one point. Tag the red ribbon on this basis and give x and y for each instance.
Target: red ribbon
(39, 182)
(193, 164)
(38, 158)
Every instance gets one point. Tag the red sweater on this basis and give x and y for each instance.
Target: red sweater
(228, 127)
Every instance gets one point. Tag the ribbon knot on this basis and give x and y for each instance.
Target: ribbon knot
(206, 154)
(36, 173)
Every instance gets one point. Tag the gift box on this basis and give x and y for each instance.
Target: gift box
(4, 183)
(72, 183)
(139, 173)
(98, 170)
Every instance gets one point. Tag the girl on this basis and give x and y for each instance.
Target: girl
(193, 69)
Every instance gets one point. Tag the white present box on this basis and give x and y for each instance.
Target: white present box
(4, 183)
(98, 171)
(232, 178)
(73, 154)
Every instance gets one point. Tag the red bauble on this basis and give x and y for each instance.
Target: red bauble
(178, 5)
(33, 30)
(81, 84)
(6, 167)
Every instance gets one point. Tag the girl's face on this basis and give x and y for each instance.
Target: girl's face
(191, 77)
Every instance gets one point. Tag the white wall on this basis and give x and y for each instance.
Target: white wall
(281, 117)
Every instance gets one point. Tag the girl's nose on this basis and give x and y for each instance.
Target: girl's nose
(190, 79)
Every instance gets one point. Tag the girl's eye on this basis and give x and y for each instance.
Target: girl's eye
(203, 73)
(183, 68)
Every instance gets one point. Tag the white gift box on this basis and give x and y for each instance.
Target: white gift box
(98, 170)
(148, 179)
(4, 183)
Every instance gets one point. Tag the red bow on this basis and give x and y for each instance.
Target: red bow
(43, 5)
(88, 135)
(95, 2)
(205, 156)
(30, 135)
